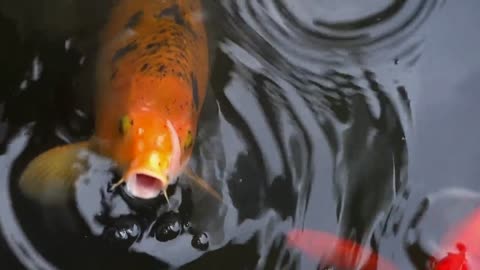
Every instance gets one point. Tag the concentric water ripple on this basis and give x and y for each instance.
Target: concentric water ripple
(313, 33)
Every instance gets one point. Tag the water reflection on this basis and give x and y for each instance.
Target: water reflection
(346, 78)
(312, 34)
(307, 125)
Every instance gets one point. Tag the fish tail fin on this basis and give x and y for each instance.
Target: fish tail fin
(202, 183)
(49, 178)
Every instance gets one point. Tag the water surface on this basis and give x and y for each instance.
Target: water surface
(354, 119)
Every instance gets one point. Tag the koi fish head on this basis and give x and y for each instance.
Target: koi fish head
(149, 154)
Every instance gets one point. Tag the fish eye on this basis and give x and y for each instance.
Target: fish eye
(188, 140)
(125, 124)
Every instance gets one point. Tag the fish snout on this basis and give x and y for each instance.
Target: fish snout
(145, 185)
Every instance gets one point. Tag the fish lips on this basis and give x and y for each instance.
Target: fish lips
(145, 185)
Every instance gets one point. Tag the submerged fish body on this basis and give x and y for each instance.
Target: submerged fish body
(335, 251)
(152, 74)
(338, 252)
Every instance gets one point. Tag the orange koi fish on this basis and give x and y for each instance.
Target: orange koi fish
(334, 251)
(152, 74)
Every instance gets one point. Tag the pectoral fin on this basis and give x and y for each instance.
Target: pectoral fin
(50, 177)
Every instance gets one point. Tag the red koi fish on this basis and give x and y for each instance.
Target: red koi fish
(465, 236)
(453, 261)
(334, 251)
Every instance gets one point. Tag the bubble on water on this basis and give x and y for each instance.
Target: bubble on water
(200, 241)
(168, 228)
(123, 232)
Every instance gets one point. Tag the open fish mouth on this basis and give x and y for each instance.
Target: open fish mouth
(144, 185)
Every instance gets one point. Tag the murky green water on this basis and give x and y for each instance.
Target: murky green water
(357, 119)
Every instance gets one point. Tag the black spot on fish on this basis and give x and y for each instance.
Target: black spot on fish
(161, 68)
(173, 12)
(194, 90)
(156, 45)
(114, 74)
(124, 51)
(182, 55)
(134, 20)
(144, 67)
(180, 21)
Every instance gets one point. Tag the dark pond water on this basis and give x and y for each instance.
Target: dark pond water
(357, 119)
